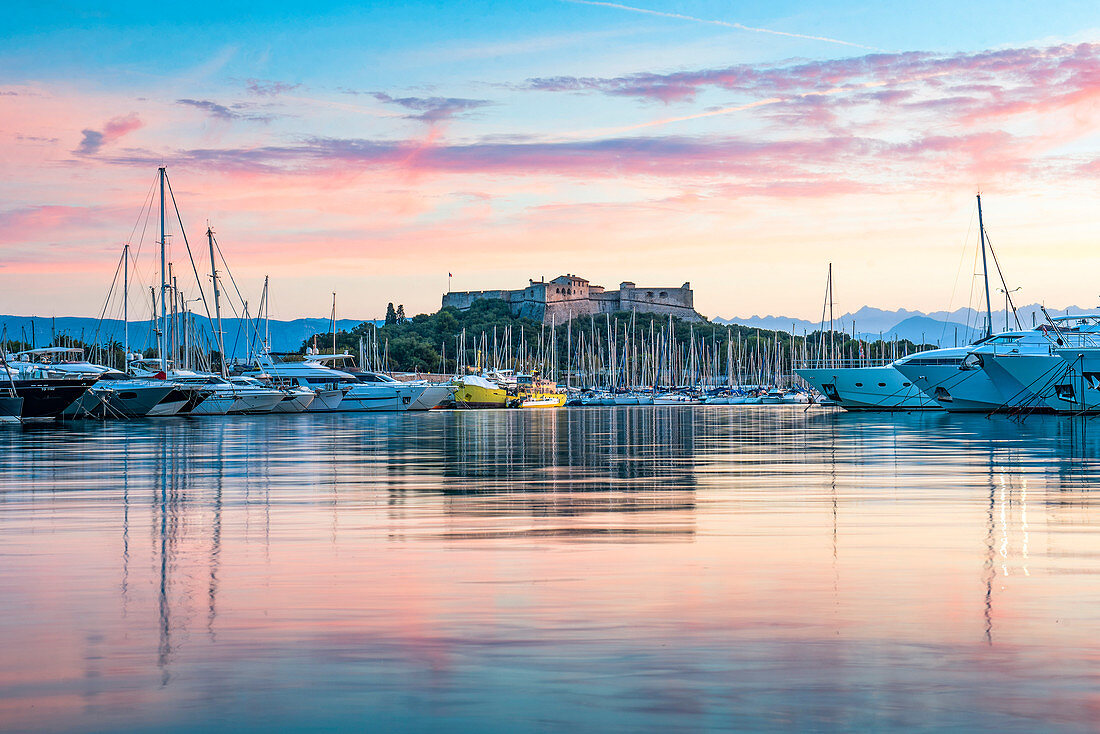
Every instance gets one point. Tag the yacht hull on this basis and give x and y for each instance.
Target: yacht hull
(868, 388)
(432, 396)
(11, 410)
(326, 400)
(172, 403)
(294, 403)
(86, 406)
(129, 401)
(258, 402)
(956, 390)
(215, 404)
(47, 398)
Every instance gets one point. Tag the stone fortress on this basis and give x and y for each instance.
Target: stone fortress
(569, 296)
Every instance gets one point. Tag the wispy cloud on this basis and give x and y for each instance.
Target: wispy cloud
(113, 129)
(433, 109)
(267, 88)
(222, 112)
(989, 79)
(723, 23)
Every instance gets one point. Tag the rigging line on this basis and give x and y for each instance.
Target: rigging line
(1008, 294)
(107, 301)
(148, 201)
(190, 257)
(135, 255)
(972, 314)
(958, 272)
(255, 327)
(148, 209)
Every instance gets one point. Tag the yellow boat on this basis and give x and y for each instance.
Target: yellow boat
(534, 393)
(475, 391)
(502, 390)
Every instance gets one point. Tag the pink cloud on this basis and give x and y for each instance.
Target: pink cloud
(112, 130)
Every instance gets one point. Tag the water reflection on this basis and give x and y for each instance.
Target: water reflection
(634, 569)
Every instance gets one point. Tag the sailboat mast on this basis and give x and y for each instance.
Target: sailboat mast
(832, 344)
(267, 321)
(162, 344)
(334, 323)
(985, 273)
(217, 298)
(126, 307)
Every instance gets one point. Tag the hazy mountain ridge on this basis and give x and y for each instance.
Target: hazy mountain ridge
(937, 327)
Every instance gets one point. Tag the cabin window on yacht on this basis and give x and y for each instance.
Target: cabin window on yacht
(906, 384)
(127, 395)
(1065, 392)
(882, 384)
(935, 361)
(859, 384)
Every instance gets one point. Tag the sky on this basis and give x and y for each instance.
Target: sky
(369, 150)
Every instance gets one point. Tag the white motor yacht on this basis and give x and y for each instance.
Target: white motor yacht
(386, 393)
(867, 388)
(1032, 368)
(222, 395)
(956, 383)
(361, 391)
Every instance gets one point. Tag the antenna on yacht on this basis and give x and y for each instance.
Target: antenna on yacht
(217, 295)
(985, 274)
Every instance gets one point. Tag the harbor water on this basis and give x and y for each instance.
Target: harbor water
(595, 569)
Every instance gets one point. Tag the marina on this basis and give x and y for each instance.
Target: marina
(566, 366)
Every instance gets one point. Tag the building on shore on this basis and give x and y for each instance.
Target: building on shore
(569, 296)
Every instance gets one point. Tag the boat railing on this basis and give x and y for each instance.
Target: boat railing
(810, 364)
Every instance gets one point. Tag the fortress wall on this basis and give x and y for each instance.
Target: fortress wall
(568, 297)
(462, 300)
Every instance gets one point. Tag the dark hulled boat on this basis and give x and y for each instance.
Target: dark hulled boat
(11, 407)
(48, 397)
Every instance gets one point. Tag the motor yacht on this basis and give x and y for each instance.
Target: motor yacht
(386, 393)
(114, 394)
(880, 387)
(220, 395)
(42, 396)
(1027, 368)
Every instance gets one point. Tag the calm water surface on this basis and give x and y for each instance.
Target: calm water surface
(637, 569)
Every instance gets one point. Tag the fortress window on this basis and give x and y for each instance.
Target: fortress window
(649, 294)
(664, 295)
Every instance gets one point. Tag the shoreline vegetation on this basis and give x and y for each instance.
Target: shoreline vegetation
(494, 337)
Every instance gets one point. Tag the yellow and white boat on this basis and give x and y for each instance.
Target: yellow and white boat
(505, 390)
(535, 393)
(476, 391)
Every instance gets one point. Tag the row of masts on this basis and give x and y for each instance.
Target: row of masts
(621, 355)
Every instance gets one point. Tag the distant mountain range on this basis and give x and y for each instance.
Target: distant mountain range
(286, 336)
(938, 327)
